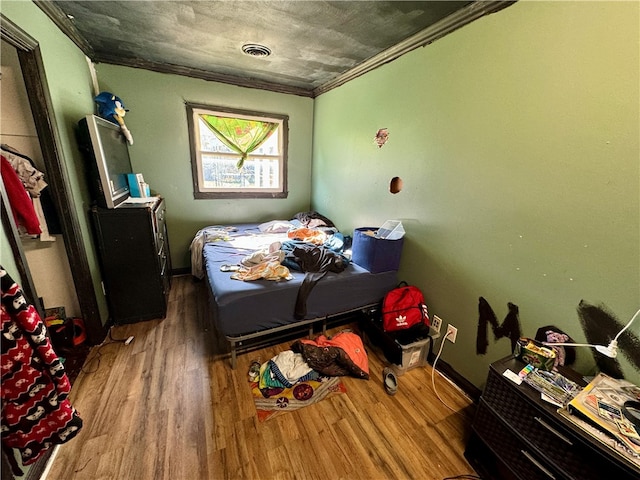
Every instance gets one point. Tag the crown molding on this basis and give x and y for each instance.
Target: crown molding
(67, 27)
(203, 75)
(15, 36)
(456, 20)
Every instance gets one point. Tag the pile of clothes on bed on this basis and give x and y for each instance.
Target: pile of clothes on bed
(341, 355)
(313, 245)
(304, 231)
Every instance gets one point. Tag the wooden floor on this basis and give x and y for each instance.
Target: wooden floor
(168, 406)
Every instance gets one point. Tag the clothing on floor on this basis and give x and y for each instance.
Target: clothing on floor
(343, 354)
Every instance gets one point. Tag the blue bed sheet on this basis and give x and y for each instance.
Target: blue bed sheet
(241, 307)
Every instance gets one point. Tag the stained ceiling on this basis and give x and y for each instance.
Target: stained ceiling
(314, 45)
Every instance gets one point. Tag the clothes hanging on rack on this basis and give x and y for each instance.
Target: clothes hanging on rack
(51, 217)
(20, 201)
(34, 183)
(49, 211)
(44, 235)
(36, 411)
(32, 178)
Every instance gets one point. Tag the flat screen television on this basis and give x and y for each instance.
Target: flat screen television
(107, 154)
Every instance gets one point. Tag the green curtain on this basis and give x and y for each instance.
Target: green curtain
(241, 136)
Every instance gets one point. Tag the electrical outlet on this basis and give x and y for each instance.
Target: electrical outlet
(452, 333)
(436, 323)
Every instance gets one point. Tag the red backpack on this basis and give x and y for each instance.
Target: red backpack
(403, 307)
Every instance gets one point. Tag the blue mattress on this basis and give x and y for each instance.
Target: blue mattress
(246, 307)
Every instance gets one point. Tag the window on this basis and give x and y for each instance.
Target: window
(237, 154)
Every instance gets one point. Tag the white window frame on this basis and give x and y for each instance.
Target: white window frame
(200, 191)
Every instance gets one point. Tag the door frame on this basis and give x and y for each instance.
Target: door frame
(9, 226)
(35, 80)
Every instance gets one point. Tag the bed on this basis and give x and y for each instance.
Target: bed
(250, 313)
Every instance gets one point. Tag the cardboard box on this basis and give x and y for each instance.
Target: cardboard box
(535, 353)
(375, 254)
(137, 187)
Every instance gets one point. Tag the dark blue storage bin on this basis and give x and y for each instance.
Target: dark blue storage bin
(375, 254)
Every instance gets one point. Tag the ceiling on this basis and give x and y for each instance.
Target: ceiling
(314, 45)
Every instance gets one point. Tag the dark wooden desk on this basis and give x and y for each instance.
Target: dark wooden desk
(516, 435)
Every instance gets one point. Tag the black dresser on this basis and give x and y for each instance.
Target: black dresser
(135, 261)
(516, 435)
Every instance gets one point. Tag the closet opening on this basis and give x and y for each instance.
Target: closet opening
(53, 161)
(38, 145)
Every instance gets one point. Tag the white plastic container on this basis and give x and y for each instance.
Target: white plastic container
(413, 355)
(391, 230)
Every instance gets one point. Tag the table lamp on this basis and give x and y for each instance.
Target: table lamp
(610, 350)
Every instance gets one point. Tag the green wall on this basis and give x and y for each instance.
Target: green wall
(516, 137)
(69, 84)
(158, 122)
(517, 140)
